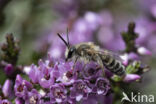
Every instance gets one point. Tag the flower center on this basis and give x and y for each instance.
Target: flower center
(47, 77)
(58, 93)
(102, 84)
(20, 88)
(69, 74)
(91, 71)
(81, 86)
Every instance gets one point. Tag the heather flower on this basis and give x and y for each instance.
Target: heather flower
(91, 70)
(19, 101)
(41, 74)
(131, 77)
(143, 51)
(33, 97)
(80, 31)
(46, 79)
(104, 32)
(7, 88)
(34, 74)
(80, 90)
(102, 86)
(42, 92)
(56, 49)
(5, 101)
(67, 74)
(46, 76)
(22, 87)
(9, 69)
(27, 69)
(58, 93)
(93, 20)
(129, 56)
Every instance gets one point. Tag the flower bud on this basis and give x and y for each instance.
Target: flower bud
(144, 51)
(7, 87)
(9, 69)
(131, 77)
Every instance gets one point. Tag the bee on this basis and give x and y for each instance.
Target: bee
(88, 51)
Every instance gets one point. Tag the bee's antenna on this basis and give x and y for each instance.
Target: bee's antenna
(68, 37)
(63, 40)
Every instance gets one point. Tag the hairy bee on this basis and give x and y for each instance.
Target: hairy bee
(88, 51)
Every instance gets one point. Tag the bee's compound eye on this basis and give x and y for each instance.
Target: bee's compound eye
(71, 51)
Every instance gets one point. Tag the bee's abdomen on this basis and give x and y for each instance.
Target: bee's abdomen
(113, 65)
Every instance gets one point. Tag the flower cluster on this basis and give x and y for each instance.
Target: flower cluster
(59, 82)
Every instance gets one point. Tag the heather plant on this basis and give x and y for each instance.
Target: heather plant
(33, 69)
(54, 81)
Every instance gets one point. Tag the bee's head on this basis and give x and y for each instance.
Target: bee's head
(70, 52)
(70, 49)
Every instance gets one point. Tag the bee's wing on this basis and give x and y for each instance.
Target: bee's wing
(112, 54)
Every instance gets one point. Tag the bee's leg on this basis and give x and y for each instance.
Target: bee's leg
(99, 61)
(75, 63)
(84, 66)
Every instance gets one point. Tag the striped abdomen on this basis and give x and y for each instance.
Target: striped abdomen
(114, 65)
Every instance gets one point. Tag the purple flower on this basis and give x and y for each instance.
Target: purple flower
(5, 101)
(80, 31)
(34, 74)
(46, 79)
(80, 90)
(126, 57)
(102, 86)
(9, 69)
(19, 101)
(50, 61)
(33, 97)
(22, 87)
(43, 74)
(58, 93)
(91, 70)
(27, 69)
(93, 20)
(44, 71)
(56, 50)
(144, 51)
(7, 88)
(67, 74)
(131, 77)
(105, 32)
